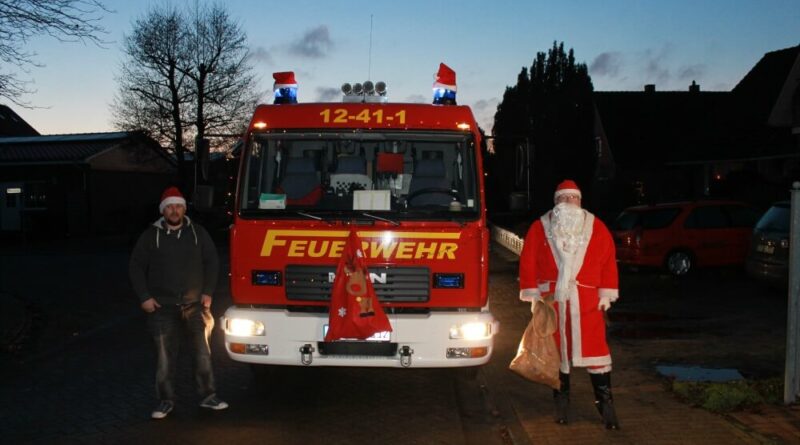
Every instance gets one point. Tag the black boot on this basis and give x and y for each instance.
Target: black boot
(603, 399)
(561, 398)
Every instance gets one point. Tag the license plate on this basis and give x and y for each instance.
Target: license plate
(765, 248)
(378, 336)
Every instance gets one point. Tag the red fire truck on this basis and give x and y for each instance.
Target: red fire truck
(407, 178)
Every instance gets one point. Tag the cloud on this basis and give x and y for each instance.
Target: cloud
(484, 105)
(484, 110)
(261, 54)
(325, 94)
(316, 43)
(654, 65)
(692, 72)
(418, 99)
(606, 64)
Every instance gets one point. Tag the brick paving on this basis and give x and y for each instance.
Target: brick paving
(648, 413)
(93, 390)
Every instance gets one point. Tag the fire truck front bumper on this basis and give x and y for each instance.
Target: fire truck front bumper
(439, 339)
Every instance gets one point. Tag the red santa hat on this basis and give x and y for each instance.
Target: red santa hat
(171, 196)
(445, 78)
(567, 186)
(284, 79)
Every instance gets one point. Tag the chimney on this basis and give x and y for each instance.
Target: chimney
(650, 88)
(694, 87)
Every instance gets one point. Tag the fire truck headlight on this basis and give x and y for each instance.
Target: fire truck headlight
(242, 327)
(471, 331)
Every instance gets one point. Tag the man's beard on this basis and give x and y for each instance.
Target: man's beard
(567, 227)
(173, 219)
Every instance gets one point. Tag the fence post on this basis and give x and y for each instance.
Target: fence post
(791, 383)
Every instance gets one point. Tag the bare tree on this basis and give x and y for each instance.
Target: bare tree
(153, 95)
(191, 69)
(224, 84)
(21, 20)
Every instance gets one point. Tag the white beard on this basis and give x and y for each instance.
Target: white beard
(567, 227)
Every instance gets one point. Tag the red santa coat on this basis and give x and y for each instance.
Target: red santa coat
(582, 333)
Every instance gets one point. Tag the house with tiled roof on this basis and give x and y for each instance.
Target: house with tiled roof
(670, 145)
(76, 184)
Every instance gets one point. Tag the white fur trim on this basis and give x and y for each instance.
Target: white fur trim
(566, 191)
(285, 85)
(592, 361)
(445, 86)
(171, 200)
(612, 294)
(602, 370)
(530, 294)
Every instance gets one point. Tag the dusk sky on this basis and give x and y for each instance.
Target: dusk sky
(626, 44)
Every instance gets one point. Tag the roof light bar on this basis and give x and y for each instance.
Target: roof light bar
(368, 92)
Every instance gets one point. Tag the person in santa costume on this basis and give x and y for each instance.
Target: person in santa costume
(569, 257)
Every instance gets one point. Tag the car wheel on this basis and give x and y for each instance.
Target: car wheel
(679, 263)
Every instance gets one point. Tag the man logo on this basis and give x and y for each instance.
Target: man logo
(373, 277)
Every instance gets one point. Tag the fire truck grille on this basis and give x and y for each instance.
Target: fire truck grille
(392, 284)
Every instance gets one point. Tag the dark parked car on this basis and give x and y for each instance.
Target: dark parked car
(768, 258)
(683, 235)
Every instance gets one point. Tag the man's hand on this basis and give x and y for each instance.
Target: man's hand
(206, 301)
(150, 305)
(604, 304)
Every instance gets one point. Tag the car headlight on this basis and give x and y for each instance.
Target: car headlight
(471, 331)
(242, 327)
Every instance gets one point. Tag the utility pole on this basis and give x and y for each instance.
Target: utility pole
(791, 384)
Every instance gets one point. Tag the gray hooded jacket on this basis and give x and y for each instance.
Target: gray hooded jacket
(174, 266)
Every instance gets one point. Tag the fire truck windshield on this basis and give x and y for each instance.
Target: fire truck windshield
(397, 175)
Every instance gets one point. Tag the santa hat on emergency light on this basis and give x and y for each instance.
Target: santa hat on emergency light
(445, 78)
(444, 87)
(284, 79)
(171, 196)
(285, 87)
(567, 186)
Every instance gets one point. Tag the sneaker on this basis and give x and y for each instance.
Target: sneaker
(212, 402)
(164, 408)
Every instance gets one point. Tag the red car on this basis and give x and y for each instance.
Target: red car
(683, 235)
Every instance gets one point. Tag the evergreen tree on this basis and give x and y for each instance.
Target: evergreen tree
(552, 108)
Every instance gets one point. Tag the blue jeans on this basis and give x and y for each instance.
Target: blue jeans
(167, 325)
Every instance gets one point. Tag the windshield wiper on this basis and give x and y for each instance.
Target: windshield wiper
(309, 215)
(380, 218)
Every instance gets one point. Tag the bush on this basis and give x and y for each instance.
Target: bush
(729, 396)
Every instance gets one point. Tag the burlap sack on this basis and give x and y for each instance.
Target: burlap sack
(537, 356)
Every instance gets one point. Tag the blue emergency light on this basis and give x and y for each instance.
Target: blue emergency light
(286, 95)
(266, 278)
(443, 96)
(448, 280)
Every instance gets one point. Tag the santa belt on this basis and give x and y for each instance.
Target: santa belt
(573, 283)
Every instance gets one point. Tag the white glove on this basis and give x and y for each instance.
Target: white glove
(604, 304)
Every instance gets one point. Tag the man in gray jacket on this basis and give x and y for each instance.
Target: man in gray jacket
(173, 270)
